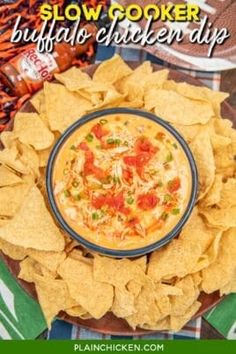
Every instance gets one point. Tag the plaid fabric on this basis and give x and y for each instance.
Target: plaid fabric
(63, 330)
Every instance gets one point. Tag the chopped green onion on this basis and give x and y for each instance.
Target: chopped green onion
(116, 180)
(89, 138)
(110, 141)
(65, 171)
(164, 216)
(95, 216)
(126, 143)
(153, 172)
(167, 197)
(126, 123)
(175, 145)
(67, 193)
(77, 197)
(175, 211)
(103, 121)
(169, 157)
(73, 147)
(117, 141)
(75, 184)
(130, 200)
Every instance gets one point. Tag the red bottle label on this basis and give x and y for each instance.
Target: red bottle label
(35, 67)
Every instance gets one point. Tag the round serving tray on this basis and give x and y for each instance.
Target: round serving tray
(110, 324)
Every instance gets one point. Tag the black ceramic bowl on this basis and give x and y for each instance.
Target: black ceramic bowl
(92, 246)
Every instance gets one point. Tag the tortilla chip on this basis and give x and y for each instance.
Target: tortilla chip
(50, 260)
(175, 108)
(162, 325)
(184, 256)
(10, 157)
(220, 272)
(228, 193)
(196, 232)
(43, 157)
(11, 199)
(224, 127)
(30, 130)
(123, 304)
(225, 161)
(12, 251)
(58, 99)
(215, 98)
(229, 287)
(53, 296)
(112, 70)
(147, 311)
(117, 272)
(33, 226)
(8, 178)
(78, 311)
(219, 141)
(203, 154)
(134, 85)
(142, 262)
(111, 98)
(74, 79)
(28, 268)
(189, 132)
(8, 138)
(165, 289)
(38, 102)
(29, 158)
(3, 221)
(177, 322)
(79, 278)
(214, 194)
(180, 304)
(222, 218)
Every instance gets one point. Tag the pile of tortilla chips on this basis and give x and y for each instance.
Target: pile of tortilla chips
(156, 292)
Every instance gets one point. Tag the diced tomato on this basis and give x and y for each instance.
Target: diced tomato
(144, 145)
(115, 202)
(127, 175)
(99, 131)
(125, 210)
(147, 201)
(130, 160)
(99, 201)
(174, 185)
(88, 168)
(99, 173)
(138, 160)
(89, 156)
(83, 146)
(134, 221)
(143, 158)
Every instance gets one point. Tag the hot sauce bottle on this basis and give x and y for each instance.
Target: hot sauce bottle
(26, 73)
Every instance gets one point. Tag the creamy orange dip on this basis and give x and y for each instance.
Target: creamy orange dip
(122, 182)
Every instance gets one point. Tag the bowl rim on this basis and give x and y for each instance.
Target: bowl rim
(104, 250)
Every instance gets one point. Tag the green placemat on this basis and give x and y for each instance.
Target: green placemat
(20, 315)
(223, 317)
